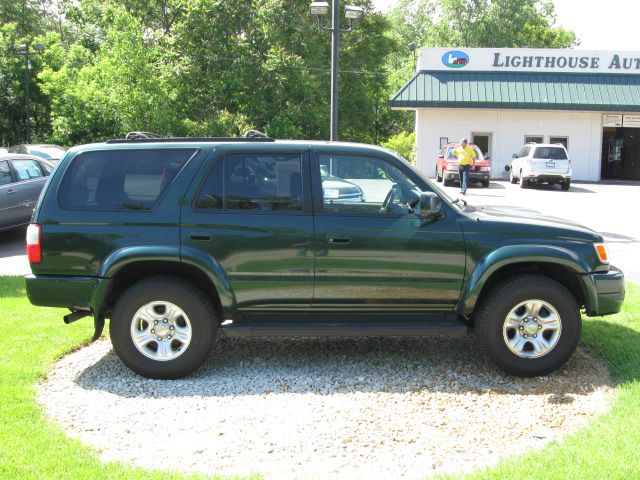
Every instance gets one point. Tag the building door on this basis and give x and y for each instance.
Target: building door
(483, 141)
(620, 153)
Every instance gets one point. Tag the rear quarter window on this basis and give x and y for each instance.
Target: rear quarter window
(117, 180)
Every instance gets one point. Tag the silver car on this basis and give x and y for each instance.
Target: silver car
(22, 177)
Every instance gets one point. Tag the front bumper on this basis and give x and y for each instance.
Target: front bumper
(476, 176)
(605, 293)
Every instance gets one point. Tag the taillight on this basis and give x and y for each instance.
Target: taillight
(570, 164)
(34, 243)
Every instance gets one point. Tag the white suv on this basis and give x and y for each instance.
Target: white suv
(541, 162)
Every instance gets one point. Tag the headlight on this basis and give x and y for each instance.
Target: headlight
(485, 169)
(602, 252)
(452, 167)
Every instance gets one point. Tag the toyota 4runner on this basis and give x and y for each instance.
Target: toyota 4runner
(178, 241)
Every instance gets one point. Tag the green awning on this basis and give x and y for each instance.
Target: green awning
(538, 91)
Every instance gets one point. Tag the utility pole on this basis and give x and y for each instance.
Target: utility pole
(351, 13)
(24, 51)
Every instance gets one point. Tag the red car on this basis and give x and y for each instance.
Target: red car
(447, 167)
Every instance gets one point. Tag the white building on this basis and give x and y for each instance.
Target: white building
(503, 98)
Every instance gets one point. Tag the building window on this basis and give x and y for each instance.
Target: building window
(562, 140)
(533, 139)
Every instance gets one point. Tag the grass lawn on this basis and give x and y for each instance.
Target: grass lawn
(31, 447)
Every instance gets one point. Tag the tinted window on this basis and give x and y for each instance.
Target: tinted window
(550, 153)
(120, 179)
(5, 173)
(267, 182)
(353, 184)
(27, 169)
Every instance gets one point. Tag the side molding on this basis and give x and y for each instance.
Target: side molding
(515, 254)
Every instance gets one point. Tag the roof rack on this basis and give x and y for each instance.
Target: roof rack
(251, 136)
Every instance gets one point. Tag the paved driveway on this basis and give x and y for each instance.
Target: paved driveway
(607, 209)
(13, 260)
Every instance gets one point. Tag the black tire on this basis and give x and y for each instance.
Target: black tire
(492, 313)
(201, 318)
(438, 177)
(512, 178)
(565, 185)
(485, 184)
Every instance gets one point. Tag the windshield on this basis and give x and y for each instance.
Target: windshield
(450, 155)
(550, 153)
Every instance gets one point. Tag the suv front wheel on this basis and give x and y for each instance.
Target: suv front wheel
(163, 327)
(529, 325)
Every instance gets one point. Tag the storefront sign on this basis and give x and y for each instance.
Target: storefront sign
(612, 120)
(631, 121)
(528, 60)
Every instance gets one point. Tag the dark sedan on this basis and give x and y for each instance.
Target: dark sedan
(21, 180)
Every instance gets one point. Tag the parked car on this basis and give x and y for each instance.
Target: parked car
(21, 180)
(178, 241)
(335, 188)
(540, 163)
(3, 150)
(447, 166)
(48, 152)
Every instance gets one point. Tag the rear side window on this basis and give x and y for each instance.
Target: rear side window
(27, 169)
(265, 182)
(117, 180)
(550, 153)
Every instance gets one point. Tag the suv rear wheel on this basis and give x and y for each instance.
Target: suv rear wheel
(529, 325)
(565, 185)
(163, 327)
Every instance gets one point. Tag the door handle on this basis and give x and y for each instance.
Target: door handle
(201, 235)
(342, 240)
(11, 192)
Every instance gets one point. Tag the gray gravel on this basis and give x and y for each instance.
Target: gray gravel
(322, 408)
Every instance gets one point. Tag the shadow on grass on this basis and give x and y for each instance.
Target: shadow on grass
(12, 287)
(617, 345)
(258, 366)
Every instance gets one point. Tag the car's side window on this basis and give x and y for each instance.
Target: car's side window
(117, 180)
(360, 184)
(27, 169)
(253, 181)
(5, 173)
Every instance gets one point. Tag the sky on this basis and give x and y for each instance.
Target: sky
(602, 25)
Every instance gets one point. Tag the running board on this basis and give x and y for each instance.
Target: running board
(375, 328)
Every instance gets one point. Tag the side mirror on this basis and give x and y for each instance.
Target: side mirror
(429, 205)
(507, 167)
(515, 155)
(487, 157)
(440, 156)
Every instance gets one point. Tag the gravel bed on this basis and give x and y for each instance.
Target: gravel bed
(322, 408)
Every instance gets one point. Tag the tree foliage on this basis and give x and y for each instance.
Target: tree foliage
(219, 67)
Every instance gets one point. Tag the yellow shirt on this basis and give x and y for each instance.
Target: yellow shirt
(466, 155)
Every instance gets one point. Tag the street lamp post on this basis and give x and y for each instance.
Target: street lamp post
(23, 50)
(351, 13)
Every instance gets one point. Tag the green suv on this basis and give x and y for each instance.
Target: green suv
(178, 241)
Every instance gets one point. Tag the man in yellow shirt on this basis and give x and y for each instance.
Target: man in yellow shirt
(466, 159)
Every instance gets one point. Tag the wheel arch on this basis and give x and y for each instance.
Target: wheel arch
(125, 267)
(556, 263)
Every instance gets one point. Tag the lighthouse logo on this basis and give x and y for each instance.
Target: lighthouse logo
(455, 59)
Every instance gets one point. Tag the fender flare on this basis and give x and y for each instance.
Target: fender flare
(514, 254)
(122, 257)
